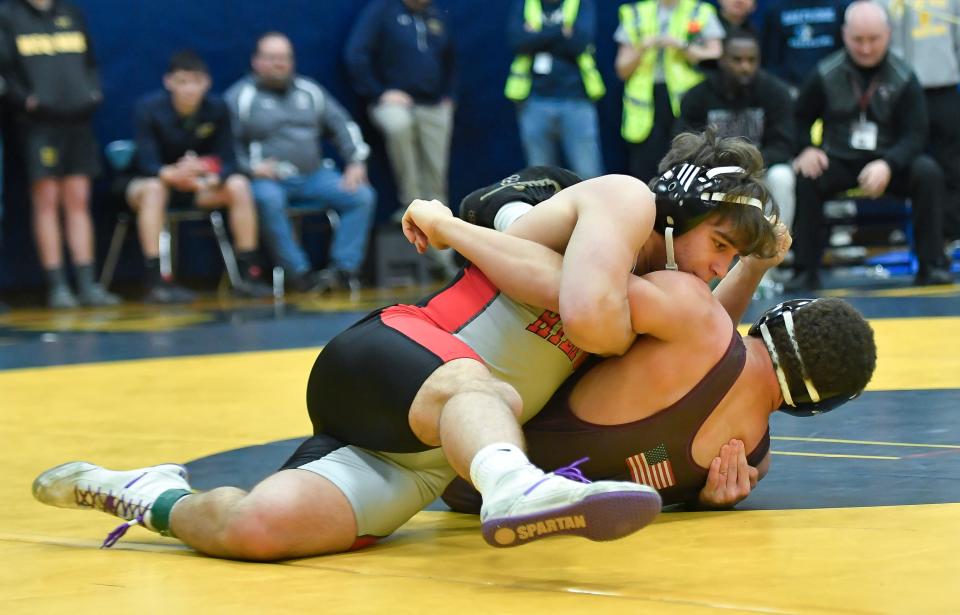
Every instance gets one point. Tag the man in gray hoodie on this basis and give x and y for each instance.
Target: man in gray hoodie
(927, 36)
(279, 119)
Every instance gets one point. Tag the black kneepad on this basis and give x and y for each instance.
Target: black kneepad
(532, 185)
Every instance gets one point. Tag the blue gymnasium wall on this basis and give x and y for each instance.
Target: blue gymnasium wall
(133, 40)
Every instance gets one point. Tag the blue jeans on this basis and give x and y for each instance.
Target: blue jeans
(356, 211)
(545, 122)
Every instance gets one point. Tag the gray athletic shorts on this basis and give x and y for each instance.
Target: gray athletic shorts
(384, 489)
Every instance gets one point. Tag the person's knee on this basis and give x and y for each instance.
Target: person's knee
(925, 170)
(462, 377)
(149, 193)
(255, 532)
(269, 195)
(366, 198)
(395, 121)
(238, 187)
(780, 177)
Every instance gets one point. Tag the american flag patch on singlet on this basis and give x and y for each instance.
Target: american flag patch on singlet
(652, 468)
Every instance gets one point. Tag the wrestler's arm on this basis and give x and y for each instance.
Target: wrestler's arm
(523, 270)
(736, 289)
(672, 305)
(599, 225)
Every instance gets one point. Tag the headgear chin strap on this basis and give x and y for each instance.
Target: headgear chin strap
(796, 403)
(686, 191)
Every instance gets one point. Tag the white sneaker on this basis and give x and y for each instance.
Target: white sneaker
(565, 503)
(128, 495)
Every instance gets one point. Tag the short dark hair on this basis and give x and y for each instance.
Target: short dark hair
(739, 34)
(188, 60)
(754, 234)
(836, 344)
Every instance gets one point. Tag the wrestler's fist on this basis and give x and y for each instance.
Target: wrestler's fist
(730, 479)
(421, 221)
(784, 241)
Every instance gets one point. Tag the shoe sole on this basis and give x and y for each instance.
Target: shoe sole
(70, 469)
(599, 517)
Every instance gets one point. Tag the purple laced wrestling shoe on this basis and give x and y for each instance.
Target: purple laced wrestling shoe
(128, 495)
(565, 503)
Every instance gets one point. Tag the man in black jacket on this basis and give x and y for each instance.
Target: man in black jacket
(874, 133)
(53, 84)
(739, 100)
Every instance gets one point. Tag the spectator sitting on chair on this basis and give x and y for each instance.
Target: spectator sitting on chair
(874, 132)
(55, 89)
(279, 119)
(742, 101)
(185, 157)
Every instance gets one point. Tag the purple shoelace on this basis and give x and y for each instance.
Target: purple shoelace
(570, 472)
(118, 533)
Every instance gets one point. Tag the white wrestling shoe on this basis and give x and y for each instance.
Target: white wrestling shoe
(129, 495)
(565, 503)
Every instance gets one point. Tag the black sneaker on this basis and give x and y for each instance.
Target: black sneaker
(167, 293)
(802, 281)
(60, 297)
(97, 296)
(252, 289)
(347, 280)
(313, 281)
(933, 276)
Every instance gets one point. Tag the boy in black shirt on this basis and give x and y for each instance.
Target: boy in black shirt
(185, 158)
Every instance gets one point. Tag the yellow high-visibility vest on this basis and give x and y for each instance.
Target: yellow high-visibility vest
(520, 80)
(639, 21)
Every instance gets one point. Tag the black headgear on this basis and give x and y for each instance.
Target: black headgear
(798, 401)
(687, 191)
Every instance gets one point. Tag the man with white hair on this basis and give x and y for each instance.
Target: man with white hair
(874, 132)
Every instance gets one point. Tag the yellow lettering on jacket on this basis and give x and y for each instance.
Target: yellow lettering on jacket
(51, 44)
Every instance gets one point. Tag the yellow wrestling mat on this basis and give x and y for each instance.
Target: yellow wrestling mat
(890, 559)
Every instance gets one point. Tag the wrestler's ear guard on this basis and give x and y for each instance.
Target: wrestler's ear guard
(805, 400)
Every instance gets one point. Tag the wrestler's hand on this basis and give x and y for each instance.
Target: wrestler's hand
(420, 223)
(784, 241)
(730, 479)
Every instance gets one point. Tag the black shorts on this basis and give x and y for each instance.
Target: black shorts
(60, 149)
(364, 381)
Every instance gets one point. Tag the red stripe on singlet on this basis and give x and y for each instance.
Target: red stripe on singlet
(458, 304)
(432, 326)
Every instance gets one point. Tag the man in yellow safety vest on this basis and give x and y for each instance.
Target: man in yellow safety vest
(554, 81)
(661, 43)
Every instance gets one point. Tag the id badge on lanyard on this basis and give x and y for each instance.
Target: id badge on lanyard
(542, 63)
(863, 132)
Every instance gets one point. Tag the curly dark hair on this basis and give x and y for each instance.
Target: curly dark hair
(836, 344)
(753, 228)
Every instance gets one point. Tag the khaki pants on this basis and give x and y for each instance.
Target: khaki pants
(418, 145)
